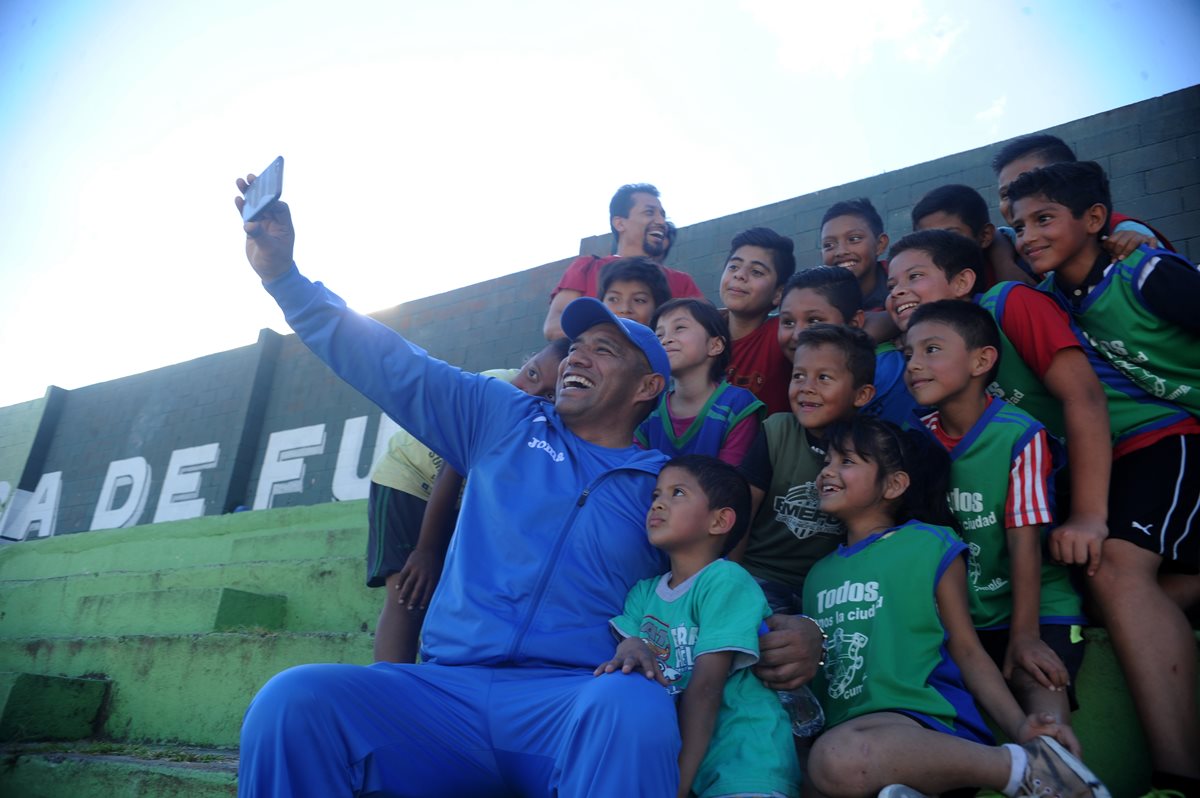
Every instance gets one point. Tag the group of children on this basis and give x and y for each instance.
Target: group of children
(922, 456)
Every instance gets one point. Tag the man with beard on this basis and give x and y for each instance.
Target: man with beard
(639, 225)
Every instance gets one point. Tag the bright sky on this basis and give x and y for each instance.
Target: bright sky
(433, 145)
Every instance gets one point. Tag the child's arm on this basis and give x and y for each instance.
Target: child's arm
(1121, 243)
(698, 713)
(1041, 333)
(1072, 380)
(980, 674)
(421, 571)
(1025, 647)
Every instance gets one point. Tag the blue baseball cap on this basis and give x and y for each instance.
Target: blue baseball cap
(586, 312)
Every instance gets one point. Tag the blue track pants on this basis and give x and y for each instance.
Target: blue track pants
(417, 730)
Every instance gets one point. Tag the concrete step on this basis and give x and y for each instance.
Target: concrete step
(34, 706)
(312, 544)
(180, 611)
(108, 770)
(176, 544)
(180, 688)
(322, 594)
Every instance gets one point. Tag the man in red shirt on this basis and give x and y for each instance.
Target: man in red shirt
(639, 225)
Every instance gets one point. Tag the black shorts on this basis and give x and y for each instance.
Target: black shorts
(394, 518)
(1154, 501)
(1060, 637)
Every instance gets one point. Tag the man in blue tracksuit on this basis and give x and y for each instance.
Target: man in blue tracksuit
(549, 541)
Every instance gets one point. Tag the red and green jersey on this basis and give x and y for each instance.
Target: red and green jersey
(999, 480)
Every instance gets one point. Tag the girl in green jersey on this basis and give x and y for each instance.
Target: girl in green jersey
(902, 661)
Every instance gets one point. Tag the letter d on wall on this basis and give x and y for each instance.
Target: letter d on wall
(133, 472)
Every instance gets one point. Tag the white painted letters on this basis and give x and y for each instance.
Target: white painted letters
(180, 494)
(283, 464)
(347, 484)
(36, 512)
(133, 472)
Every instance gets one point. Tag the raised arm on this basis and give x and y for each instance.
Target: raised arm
(450, 411)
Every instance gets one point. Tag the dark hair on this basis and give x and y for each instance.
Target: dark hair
(558, 347)
(1050, 149)
(640, 269)
(783, 250)
(708, 317)
(1078, 185)
(839, 287)
(724, 486)
(974, 324)
(854, 343)
(949, 251)
(862, 208)
(671, 234)
(956, 200)
(622, 202)
(913, 452)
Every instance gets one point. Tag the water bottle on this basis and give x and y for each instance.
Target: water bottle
(803, 710)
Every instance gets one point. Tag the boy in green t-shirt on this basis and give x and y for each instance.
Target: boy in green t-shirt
(695, 630)
(1000, 491)
(1139, 314)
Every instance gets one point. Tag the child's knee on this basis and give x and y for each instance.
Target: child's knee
(835, 764)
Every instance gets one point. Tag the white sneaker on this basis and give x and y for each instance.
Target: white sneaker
(1054, 772)
(900, 791)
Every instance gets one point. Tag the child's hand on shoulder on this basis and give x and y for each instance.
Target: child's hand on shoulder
(1121, 243)
(1041, 723)
(1033, 656)
(633, 655)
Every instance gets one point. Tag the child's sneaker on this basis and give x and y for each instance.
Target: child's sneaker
(1054, 772)
(900, 791)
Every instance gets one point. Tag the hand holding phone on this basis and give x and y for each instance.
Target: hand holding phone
(270, 238)
(265, 189)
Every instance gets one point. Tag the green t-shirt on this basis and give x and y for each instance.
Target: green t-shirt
(790, 533)
(719, 609)
(876, 601)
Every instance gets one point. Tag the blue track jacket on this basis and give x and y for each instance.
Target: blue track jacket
(551, 535)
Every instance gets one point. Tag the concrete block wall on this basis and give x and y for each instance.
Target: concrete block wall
(243, 397)
(18, 426)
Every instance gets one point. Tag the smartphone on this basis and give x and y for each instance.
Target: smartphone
(265, 189)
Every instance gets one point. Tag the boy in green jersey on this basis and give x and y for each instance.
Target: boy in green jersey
(1139, 314)
(1001, 463)
(1044, 370)
(695, 631)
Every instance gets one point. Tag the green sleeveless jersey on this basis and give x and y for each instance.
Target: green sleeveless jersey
(1160, 358)
(979, 486)
(876, 602)
(1015, 382)
(790, 532)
